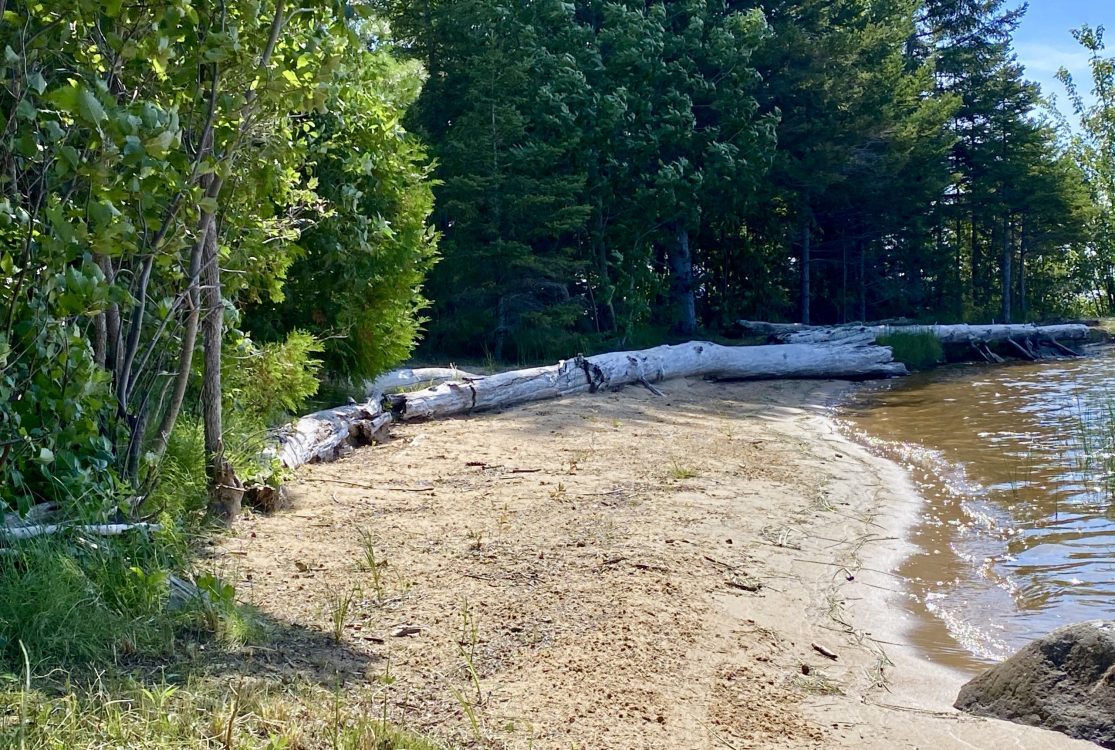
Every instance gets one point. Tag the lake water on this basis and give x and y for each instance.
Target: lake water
(1017, 534)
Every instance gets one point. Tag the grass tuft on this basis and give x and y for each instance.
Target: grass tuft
(918, 351)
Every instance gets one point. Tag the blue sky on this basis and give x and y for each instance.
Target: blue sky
(1044, 43)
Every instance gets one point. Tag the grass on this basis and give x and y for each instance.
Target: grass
(340, 609)
(245, 714)
(918, 351)
(679, 472)
(372, 563)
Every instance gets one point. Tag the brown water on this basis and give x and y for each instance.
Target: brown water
(1017, 534)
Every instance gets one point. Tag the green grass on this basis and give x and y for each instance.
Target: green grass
(918, 351)
(240, 714)
(679, 472)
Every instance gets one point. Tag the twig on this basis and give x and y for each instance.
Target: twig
(646, 384)
(363, 486)
(824, 651)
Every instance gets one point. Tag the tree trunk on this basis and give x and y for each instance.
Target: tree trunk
(1008, 256)
(862, 280)
(805, 270)
(189, 336)
(225, 490)
(1022, 274)
(680, 259)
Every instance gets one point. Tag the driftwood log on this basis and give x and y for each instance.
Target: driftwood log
(617, 369)
(793, 333)
(16, 533)
(328, 434)
(411, 377)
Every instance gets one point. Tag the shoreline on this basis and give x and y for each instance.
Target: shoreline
(915, 685)
(624, 570)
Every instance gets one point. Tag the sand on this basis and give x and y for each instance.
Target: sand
(612, 572)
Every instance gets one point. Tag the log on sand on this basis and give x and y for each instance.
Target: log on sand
(617, 369)
(947, 334)
(327, 434)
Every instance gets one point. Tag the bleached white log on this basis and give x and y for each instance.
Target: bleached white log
(617, 369)
(947, 334)
(321, 436)
(408, 378)
(45, 529)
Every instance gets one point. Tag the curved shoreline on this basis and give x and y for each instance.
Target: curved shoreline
(916, 687)
(629, 571)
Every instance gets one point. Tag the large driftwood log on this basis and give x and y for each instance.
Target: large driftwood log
(614, 370)
(408, 378)
(792, 333)
(324, 435)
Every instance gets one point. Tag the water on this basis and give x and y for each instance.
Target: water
(1017, 535)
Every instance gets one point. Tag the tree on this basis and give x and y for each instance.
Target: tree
(356, 281)
(1092, 146)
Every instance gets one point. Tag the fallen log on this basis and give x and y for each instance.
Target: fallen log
(328, 434)
(325, 435)
(411, 377)
(962, 333)
(617, 369)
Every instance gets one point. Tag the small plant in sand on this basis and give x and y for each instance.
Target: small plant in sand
(475, 540)
(466, 649)
(340, 610)
(372, 563)
(503, 523)
(678, 471)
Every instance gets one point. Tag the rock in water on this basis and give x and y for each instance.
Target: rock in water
(1064, 681)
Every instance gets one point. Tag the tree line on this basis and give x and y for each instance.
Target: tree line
(611, 168)
(206, 206)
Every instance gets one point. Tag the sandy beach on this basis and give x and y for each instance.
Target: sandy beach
(709, 568)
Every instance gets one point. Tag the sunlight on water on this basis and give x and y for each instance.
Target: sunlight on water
(1017, 536)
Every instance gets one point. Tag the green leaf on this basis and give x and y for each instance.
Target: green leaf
(46, 456)
(25, 110)
(76, 100)
(37, 82)
(158, 146)
(89, 108)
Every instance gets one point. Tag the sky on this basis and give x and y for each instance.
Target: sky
(1044, 42)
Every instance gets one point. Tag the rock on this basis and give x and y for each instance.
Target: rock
(1064, 681)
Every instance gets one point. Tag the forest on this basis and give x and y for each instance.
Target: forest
(211, 209)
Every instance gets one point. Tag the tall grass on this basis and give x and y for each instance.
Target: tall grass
(918, 351)
(243, 714)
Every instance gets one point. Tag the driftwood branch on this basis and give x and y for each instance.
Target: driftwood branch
(15, 533)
